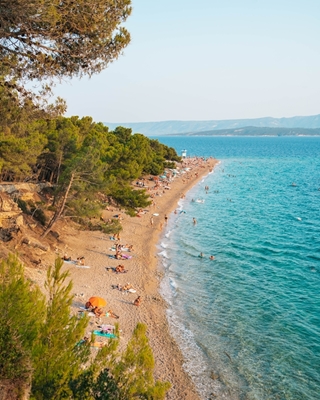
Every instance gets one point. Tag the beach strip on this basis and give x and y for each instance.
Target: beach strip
(143, 233)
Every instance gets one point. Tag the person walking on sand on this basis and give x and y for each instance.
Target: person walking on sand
(151, 222)
(166, 219)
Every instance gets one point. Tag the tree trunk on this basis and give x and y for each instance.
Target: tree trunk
(60, 209)
(59, 166)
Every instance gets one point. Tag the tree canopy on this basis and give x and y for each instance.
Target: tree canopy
(81, 159)
(41, 39)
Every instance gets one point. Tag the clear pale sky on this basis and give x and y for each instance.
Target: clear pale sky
(208, 59)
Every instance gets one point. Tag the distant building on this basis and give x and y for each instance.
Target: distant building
(183, 153)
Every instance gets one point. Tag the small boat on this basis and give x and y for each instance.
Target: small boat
(199, 201)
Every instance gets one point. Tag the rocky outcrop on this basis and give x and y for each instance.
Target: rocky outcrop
(23, 187)
(11, 218)
(10, 213)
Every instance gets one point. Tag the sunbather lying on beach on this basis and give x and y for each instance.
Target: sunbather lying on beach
(97, 311)
(80, 260)
(127, 286)
(111, 314)
(118, 270)
(137, 301)
(118, 286)
(88, 306)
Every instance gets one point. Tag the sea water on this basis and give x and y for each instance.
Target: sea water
(248, 322)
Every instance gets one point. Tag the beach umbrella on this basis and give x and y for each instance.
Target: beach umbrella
(97, 301)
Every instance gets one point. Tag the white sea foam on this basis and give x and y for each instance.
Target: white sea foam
(163, 245)
(168, 234)
(163, 254)
(164, 263)
(166, 290)
(180, 204)
(173, 283)
(194, 360)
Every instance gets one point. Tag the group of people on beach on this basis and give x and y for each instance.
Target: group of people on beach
(127, 288)
(98, 311)
(78, 261)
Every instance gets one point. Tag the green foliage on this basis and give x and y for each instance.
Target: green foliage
(23, 206)
(85, 153)
(89, 387)
(22, 315)
(114, 226)
(170, 164)
(134, 372)
(44, 39)
(39, 215)
(131, 199)
(15, 362)
(18, 297)
(19, 154)
(57, 358)
(30, 208)
(125, 376)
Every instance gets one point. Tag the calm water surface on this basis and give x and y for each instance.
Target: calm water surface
(248, 322)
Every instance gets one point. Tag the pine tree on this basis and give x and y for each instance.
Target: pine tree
(58, 359)
(134, 372)
(22, 314)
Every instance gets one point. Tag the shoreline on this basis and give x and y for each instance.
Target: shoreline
(143, 274)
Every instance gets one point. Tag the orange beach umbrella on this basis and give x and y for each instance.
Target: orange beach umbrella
(97, 301)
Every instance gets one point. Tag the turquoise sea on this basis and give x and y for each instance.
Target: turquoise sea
(248, 322)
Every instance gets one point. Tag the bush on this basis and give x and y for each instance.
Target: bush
(35, 211)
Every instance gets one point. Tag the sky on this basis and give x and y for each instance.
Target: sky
(208, 60)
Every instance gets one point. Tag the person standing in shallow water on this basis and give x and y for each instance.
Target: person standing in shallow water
(194, 221)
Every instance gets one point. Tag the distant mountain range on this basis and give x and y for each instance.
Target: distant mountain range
(308, 126)
(254, 131)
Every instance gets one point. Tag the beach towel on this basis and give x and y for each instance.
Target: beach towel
(106, 327)
(108, 335)
(123, 256)
(75, 264)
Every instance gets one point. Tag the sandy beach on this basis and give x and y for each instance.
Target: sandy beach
(143, 273)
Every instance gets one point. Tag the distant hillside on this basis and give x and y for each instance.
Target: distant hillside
(254, 131)
(170, 127)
